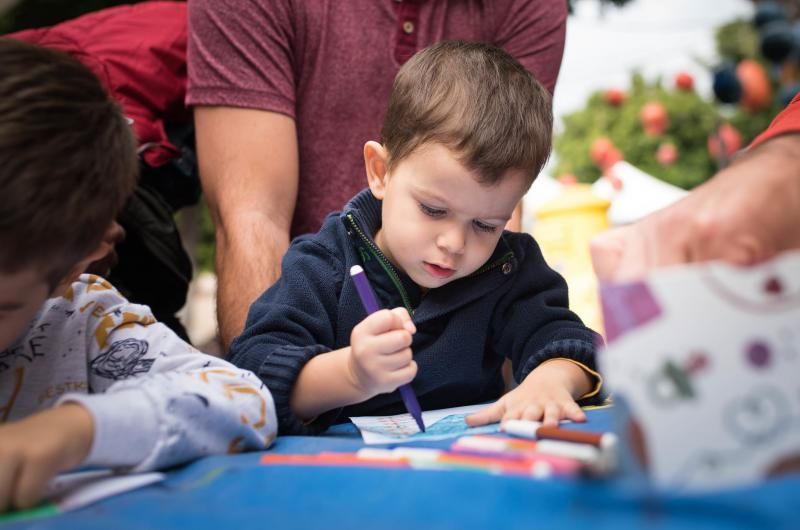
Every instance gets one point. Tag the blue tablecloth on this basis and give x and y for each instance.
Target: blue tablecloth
(237, 492)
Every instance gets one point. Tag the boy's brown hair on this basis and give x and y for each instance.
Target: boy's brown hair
(67, 160)
(475, 99)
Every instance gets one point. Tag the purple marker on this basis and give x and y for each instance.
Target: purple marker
(370, 304)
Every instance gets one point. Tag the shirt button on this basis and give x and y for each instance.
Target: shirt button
(408, 27)
(507, 268)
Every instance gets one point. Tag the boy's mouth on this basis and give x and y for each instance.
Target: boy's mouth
(437, 271)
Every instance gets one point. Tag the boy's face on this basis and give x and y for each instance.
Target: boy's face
(439, 222)
(23, 293)
(21, 296)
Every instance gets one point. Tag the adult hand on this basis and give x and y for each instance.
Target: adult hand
(38, 447)
(380, 352)
(744, 215)
(547, 394)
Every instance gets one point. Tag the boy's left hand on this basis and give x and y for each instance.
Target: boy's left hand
(35, 449)
(547, 395)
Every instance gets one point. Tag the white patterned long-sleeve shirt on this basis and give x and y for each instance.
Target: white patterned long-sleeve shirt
(155, 400)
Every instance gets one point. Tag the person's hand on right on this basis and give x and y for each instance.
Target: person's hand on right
(36, 448)
(380, 352)
(746, 214)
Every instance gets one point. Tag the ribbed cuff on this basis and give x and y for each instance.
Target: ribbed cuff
(578, 350)
(125, 429)
(595, 376)
(581, 351)
(280, 371)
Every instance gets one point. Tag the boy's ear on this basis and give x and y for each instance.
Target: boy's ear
(79, 268)
(376, 160)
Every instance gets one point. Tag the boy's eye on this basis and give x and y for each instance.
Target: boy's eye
(483, 227)
(432, 212)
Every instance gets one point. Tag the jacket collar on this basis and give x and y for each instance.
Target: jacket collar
(362, 219)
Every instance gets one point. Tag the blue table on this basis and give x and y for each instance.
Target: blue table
(237, 492)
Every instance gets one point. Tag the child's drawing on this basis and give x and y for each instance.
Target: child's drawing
(440, 424)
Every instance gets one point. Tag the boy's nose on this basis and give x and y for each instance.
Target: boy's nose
(452, 240)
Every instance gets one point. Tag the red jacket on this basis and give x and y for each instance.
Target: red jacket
(139, 53)
(788, 121)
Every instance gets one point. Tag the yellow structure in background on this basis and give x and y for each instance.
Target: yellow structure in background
(563, 228)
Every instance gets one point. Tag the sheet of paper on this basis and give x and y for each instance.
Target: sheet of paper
(705, 361)
(439, 425)
(71, 491)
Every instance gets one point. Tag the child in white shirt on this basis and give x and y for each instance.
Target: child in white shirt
(87, 378)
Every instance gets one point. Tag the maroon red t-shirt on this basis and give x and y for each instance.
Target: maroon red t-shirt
(330, 64)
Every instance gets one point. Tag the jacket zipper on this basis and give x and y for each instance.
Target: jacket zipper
(384, 263)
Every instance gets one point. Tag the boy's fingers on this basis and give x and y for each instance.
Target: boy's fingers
(398, 360)
(8, 474)
(30, 485)
(552, 415)
(404, 375)
(490, 414)
(532, 412)
(389, 343)
(378, 322)
(574, 412)
(403, 319)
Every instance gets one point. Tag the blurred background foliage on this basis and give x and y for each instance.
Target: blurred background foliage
(749, 90)
(691, 119)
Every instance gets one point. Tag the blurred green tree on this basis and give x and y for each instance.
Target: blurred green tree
(616, 115)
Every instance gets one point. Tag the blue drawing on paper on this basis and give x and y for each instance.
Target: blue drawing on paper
(448, 427)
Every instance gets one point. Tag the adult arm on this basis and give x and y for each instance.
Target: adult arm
(249, 170)
(745, 214)
(241, 85)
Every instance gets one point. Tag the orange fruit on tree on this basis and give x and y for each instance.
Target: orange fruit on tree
(756, 87)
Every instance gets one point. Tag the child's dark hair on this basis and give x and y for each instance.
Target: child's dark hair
(67, 160)
(475, 99)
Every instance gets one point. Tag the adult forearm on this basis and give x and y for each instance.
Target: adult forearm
(248, 257)
(761, 192)
(744, 215)
(775, 163)
(325, 383)
(249, 170)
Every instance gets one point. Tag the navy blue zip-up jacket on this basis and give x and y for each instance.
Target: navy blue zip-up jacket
(514, 306)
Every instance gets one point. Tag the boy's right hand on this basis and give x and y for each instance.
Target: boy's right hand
(380, 352)
(35, 449)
